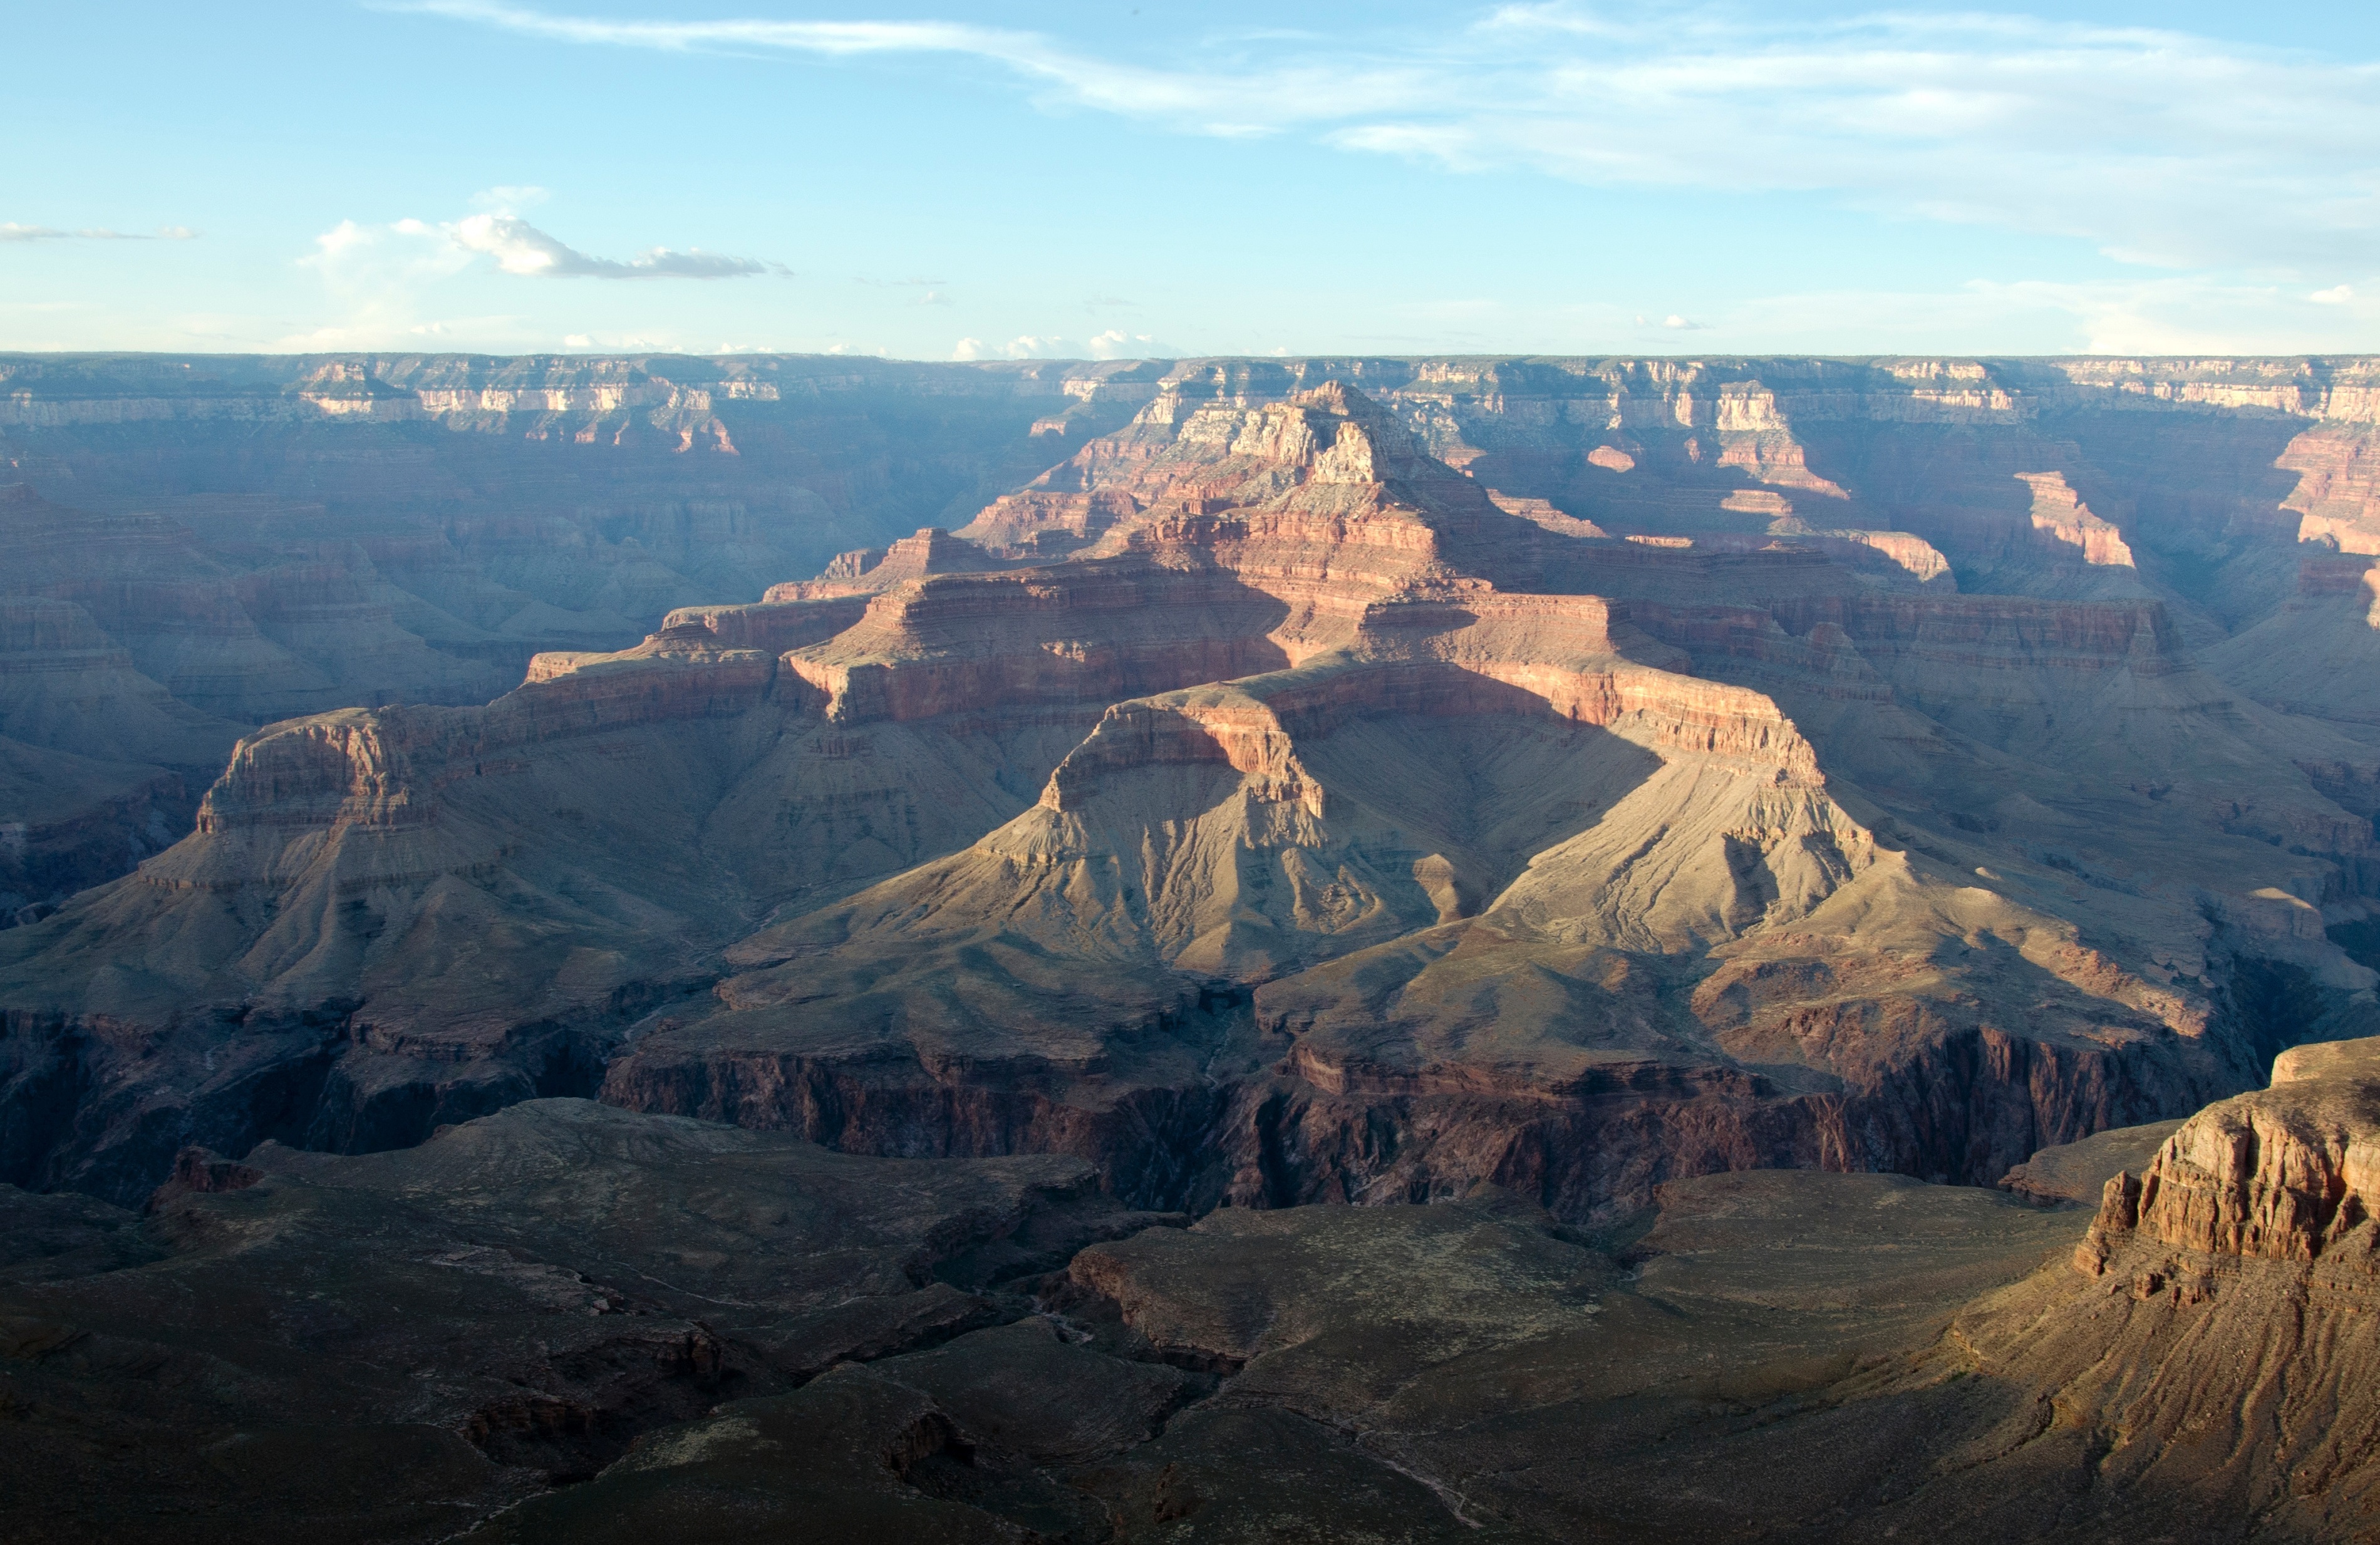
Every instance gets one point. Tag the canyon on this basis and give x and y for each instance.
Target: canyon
(1001, 936)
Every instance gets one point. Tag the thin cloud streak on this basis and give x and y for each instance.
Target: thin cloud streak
(1221, 102)
(2159, 147)
(11, 231)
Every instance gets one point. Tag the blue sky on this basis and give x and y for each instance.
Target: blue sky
(1076, 180)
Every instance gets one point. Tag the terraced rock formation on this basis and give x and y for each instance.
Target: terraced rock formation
(885, 1054)
(1258, 807)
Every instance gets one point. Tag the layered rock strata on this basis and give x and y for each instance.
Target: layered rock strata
(1315, 826)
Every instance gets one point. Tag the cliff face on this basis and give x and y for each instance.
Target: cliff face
(1328, 780)
(1433, 1002)
(2205, 1352)
(1574, 793)
(2281, 1174)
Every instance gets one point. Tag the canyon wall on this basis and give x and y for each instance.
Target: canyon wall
(1272, 781)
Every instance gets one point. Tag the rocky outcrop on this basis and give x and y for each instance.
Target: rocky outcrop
(2203, 1353)
(2281, 1174)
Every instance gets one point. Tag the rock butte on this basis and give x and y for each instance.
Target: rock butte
(1721, 797)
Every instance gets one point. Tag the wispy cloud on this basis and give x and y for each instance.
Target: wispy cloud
(1220, 100)
(2158, 146)
(11, 231)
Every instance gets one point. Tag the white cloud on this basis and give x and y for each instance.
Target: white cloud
(2160, 147)
(11, 231)
(1674, 321)
(376, 275)
(380, 274)
(1113, 344)
(520, 248)
(2338, 294)
(1117, 344)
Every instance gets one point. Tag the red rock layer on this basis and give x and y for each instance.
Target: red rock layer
(1091, 631)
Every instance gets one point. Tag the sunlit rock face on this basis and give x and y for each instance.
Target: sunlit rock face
(851, 945)
(1269, 781)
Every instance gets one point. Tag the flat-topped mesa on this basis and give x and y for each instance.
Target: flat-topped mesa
(1898, 560)
(1913, 554)
(2282, 1174)
(1253, 724)
(1474, 625)
(771, 625)
(870, 571)
(663, 678)
(381, 769)
(1082, 634)
(1047, 523)
(1741, 570)
(356, 766)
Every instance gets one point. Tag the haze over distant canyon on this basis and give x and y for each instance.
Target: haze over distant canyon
(1638, 948)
